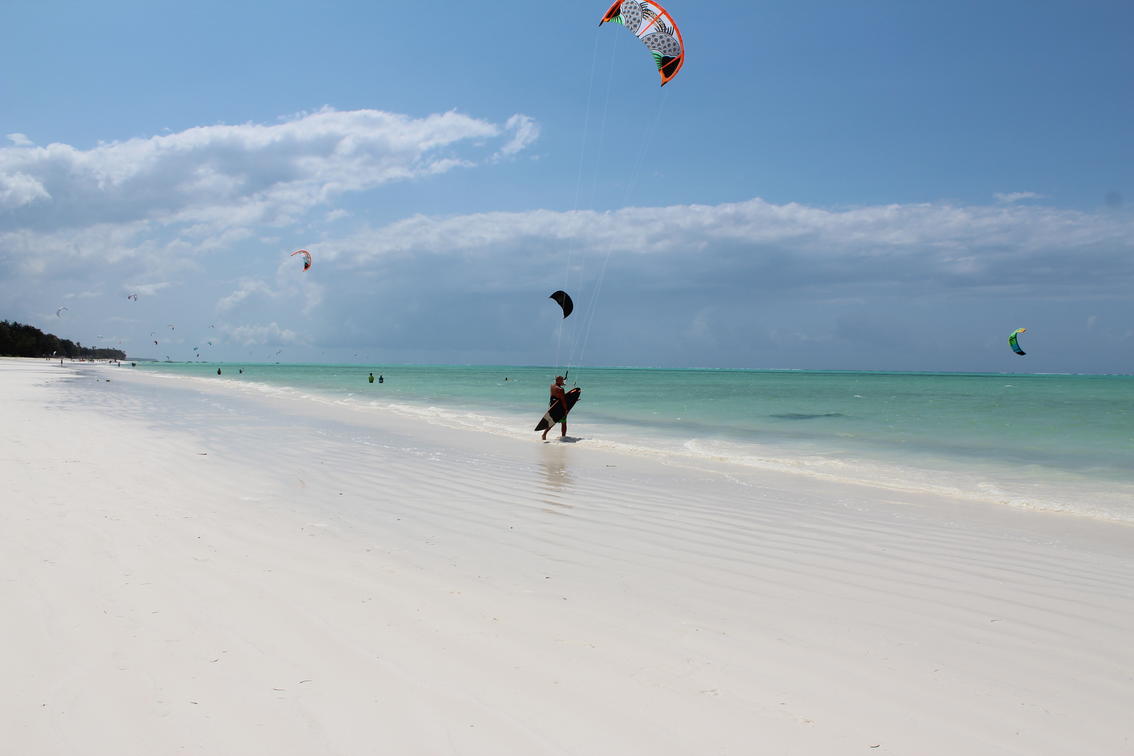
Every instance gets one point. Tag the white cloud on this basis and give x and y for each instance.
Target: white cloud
(253, 335)
(211, 185)
(243, 291)
(301, 292)
(789, 244)
(20, 140)
(1009, 197)
(736, 283)
(18, 189)
(524, 130)
(147, 289)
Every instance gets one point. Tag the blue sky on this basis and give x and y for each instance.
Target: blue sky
(885, 185)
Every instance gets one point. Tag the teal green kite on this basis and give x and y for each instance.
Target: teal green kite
(1012, 342)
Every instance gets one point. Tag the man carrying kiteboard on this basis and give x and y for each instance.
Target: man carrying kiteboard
(557, 395)
(559, 405)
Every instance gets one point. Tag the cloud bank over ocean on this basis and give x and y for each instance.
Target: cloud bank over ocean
(202, 221)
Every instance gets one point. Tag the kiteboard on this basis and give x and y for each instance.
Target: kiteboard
(555, 412)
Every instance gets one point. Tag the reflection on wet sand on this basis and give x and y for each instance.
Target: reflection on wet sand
(557, 478)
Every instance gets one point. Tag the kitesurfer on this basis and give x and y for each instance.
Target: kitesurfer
(558, 395)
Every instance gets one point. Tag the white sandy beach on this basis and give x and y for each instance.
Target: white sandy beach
(189, 568)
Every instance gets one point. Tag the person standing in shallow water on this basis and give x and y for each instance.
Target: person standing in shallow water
(371, 378)
(558, 395)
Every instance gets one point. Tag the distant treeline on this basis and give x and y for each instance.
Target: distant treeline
(19, 340)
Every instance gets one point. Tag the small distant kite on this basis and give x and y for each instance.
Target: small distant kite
(1012, 342)
(171, 327)
(564, 300)
(133, 297)
(59, 312)
(306, 258)
(652, 24)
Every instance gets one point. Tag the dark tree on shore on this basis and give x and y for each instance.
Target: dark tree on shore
(19, 340)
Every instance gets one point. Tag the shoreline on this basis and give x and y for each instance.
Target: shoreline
(222, 573)
(1016, 480)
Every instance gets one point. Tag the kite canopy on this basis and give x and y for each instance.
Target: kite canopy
(59, 312)
(1015, 344)
(306, 257)
(564, 301)
(652, 24)
(133, 297)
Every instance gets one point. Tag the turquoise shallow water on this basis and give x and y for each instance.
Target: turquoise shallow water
(1062, 442)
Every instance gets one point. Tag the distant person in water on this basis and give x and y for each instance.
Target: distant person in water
(371, 378)
(558, 395)
(381, 379)
(218, 371)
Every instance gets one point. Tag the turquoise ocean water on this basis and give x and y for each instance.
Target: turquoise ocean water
(1051, 442)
